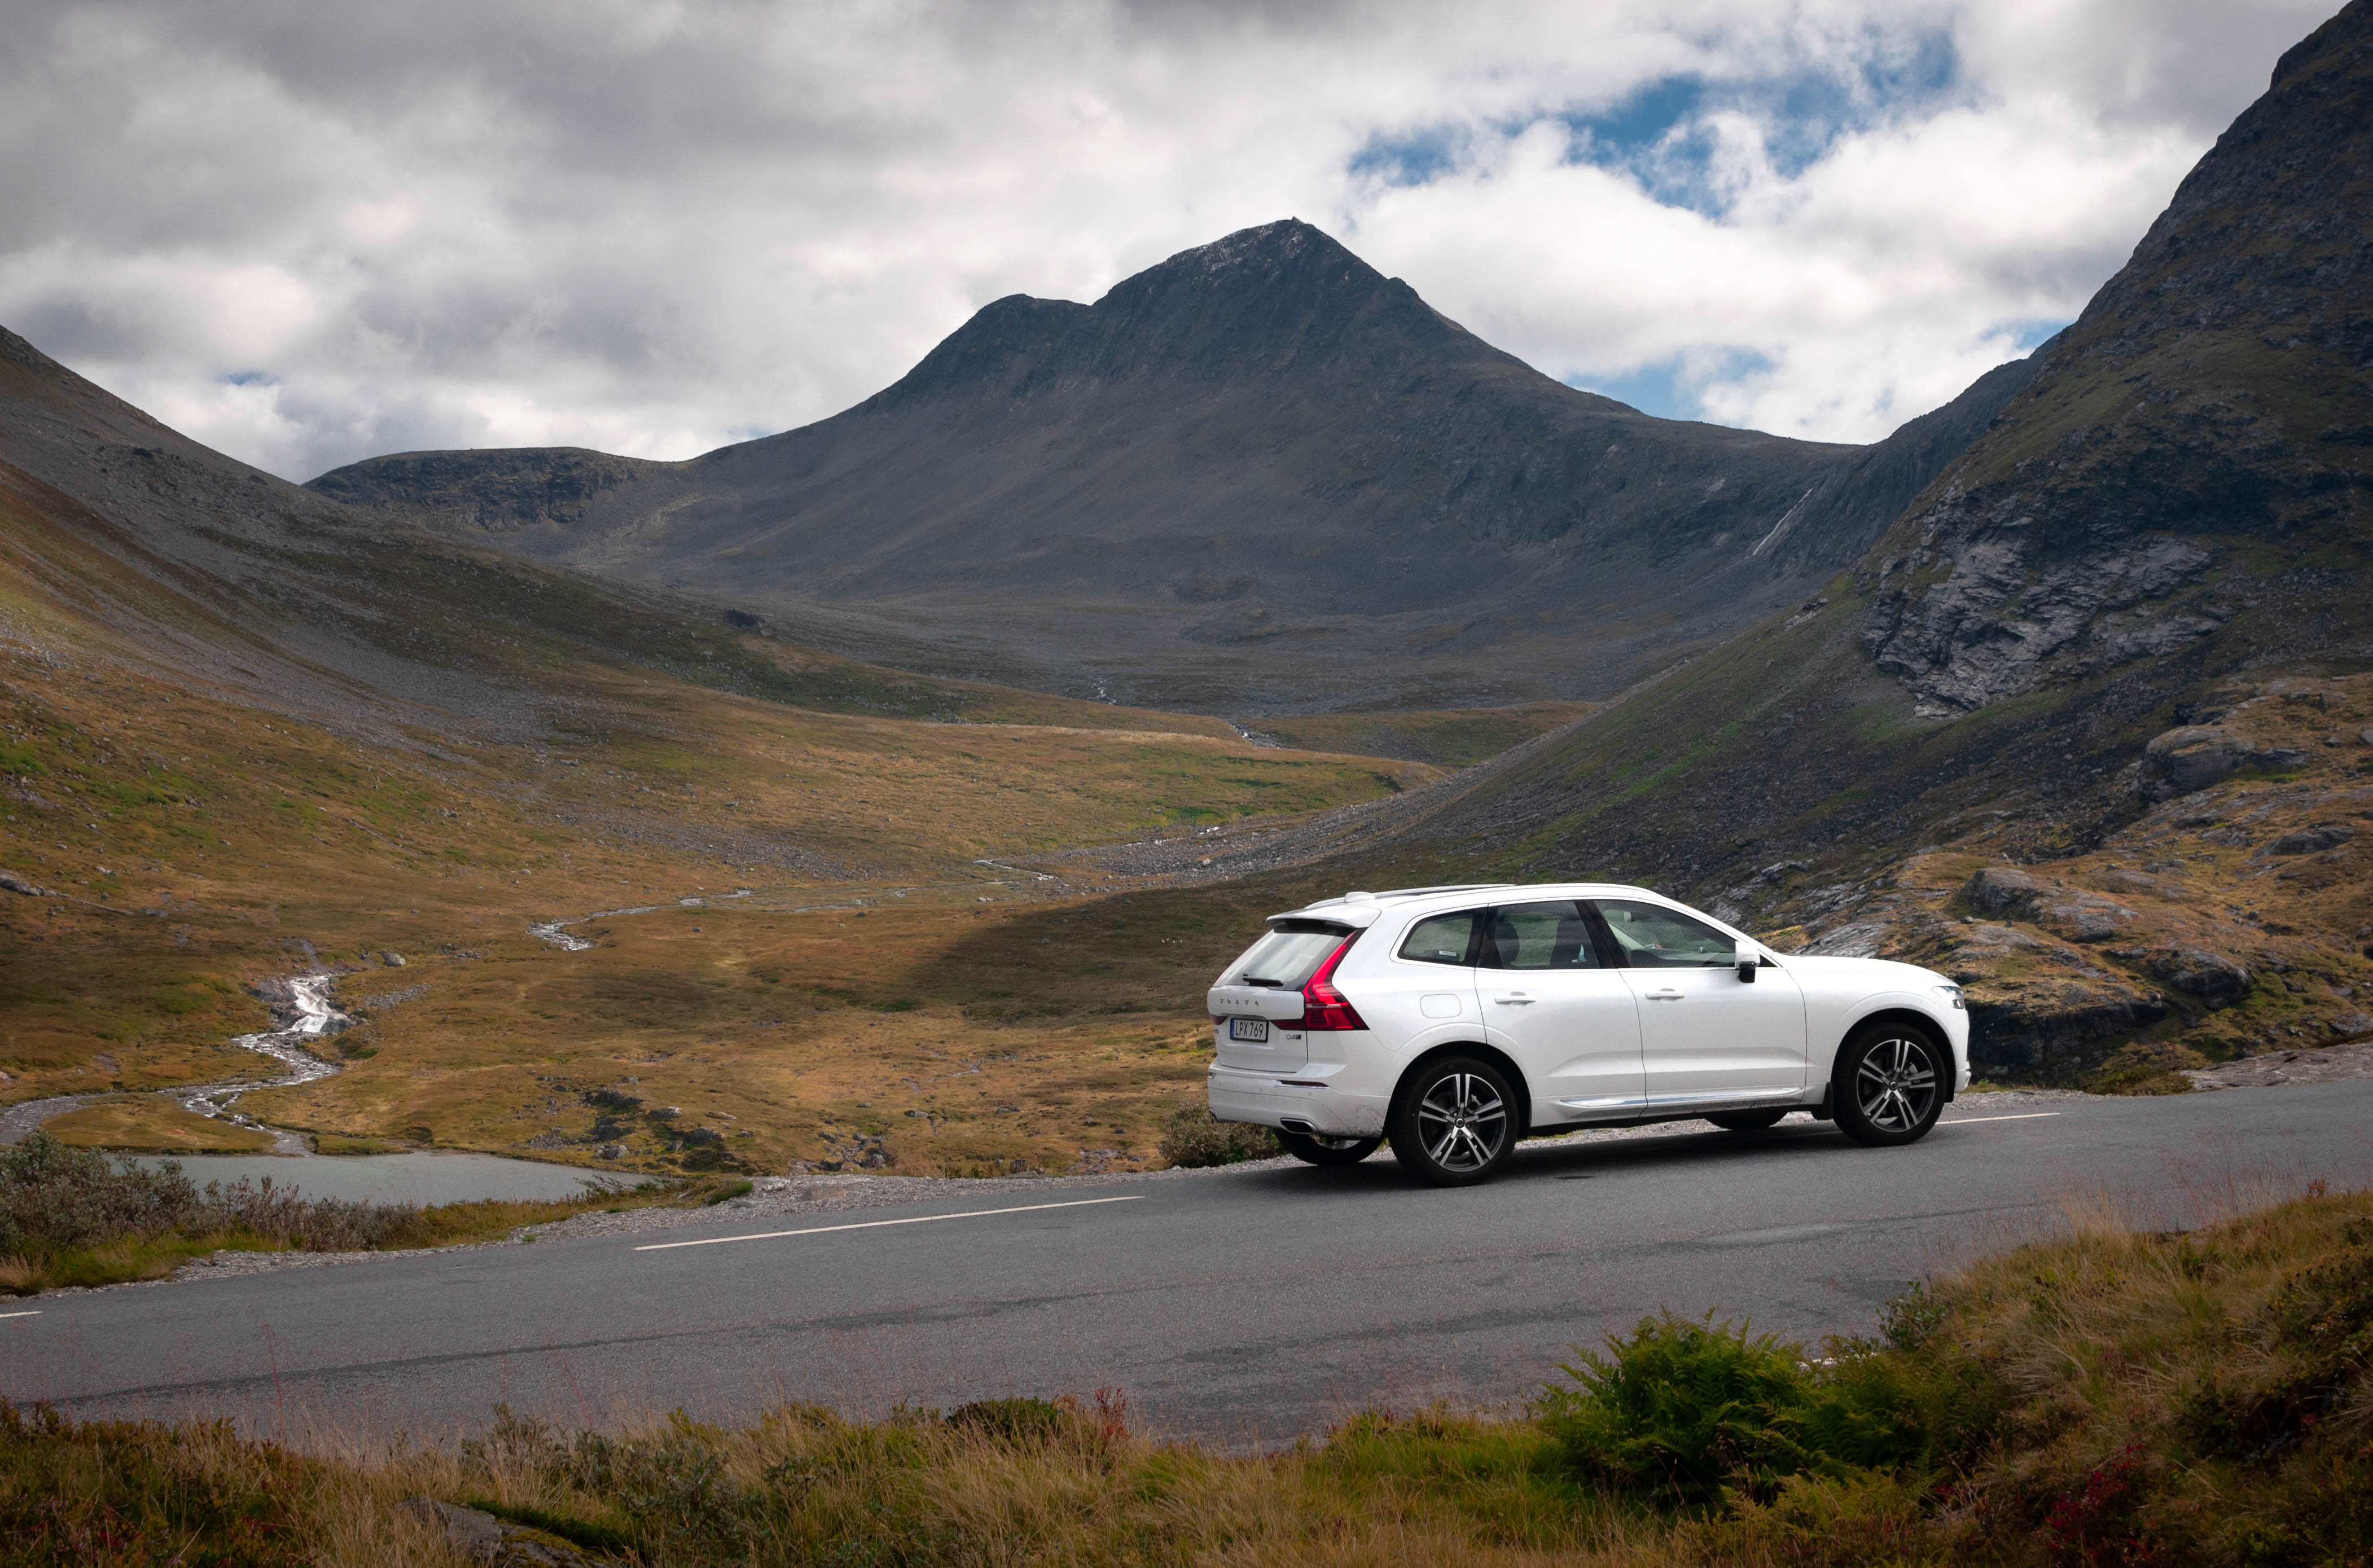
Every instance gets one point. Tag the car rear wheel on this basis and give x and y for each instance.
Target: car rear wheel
(1890, 1085)
(1313, 1150)
(1745, 1121)
(1455, 1124)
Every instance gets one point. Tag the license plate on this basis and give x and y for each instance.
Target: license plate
(1253, 1029)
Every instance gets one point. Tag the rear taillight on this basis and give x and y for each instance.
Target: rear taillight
(1324, 1007)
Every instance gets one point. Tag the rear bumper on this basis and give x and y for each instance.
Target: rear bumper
(1264, 1100)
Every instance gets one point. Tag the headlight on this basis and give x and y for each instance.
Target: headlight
(1953, 995)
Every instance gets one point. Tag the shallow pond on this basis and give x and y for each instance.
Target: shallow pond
(392, 1178)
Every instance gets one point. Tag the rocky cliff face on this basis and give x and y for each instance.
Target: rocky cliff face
(2201, 440)
(1258, 475)
(2090, 726)
(491, 491)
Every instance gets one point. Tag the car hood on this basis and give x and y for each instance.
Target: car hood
(1876, 974)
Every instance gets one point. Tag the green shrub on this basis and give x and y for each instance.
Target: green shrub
(1193, 1138)
(1677, 1410)
(1680, 1411)
(1021, 1422)
(53, 1197)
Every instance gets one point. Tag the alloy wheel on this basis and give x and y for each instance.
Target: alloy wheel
(1463, 1120)
(1895, 1084)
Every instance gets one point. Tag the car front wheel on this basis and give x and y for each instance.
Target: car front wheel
(1456, 1123)
(1890, 1085)
(1313, 1150)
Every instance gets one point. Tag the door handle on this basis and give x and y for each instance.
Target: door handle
(1514, 998)
(1664, 996)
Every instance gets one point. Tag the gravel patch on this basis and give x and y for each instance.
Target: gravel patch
(2326, 1064)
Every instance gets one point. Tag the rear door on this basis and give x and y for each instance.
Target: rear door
(1552, 1002)
(1707, 1037)
(1427, 992)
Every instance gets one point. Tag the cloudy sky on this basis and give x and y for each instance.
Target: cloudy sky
(307, 233)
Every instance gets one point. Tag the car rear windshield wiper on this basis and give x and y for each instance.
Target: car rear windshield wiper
(1258, 980)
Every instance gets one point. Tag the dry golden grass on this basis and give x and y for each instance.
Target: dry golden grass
(772, 1028)
(152, 1125)
(199, 845)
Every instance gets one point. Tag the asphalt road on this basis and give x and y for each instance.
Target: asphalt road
(1243, 1305)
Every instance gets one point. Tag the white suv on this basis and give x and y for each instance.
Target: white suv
(1457, 1019)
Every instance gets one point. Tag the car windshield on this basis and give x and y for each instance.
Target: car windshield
(1653, 937)
(1287, 956)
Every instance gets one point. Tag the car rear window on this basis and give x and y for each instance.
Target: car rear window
(1653, 937)
(1287, 956)
(1444, 939)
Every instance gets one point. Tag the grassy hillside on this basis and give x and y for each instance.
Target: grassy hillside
(242, 734)
(1453, 737)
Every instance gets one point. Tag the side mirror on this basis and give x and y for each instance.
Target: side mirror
(1750, 960)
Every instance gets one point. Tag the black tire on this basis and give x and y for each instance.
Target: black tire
(1745, 1121)
(1889, 1087)
(1456, 1122)
(1312, 1150)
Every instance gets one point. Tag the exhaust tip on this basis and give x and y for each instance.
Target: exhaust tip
(1295, 1124)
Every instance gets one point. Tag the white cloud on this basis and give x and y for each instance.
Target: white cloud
(654, 228)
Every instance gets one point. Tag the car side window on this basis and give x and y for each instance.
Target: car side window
(1444, 939)
(1653, 937)
(1554, 934)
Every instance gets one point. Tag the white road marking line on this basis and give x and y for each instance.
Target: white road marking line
(876, 1224)
(20, 1314)
(2024, 1116)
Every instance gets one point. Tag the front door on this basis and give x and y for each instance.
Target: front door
(1570, 1022)
(1707, 1037)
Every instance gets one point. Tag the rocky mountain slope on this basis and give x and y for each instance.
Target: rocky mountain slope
(2044, 665)
(2208, 411)
(1259, 477)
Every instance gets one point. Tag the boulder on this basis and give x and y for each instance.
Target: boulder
(2214, 979)
(2000, 890)
(481, 1537)
(2183, 761)
(2309, 840)
(2073, 914)
(2055, 1032)
(2082, 917)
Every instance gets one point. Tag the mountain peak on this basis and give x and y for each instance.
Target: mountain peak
(1264, 295)
(1288, 257)
(1265, 248)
